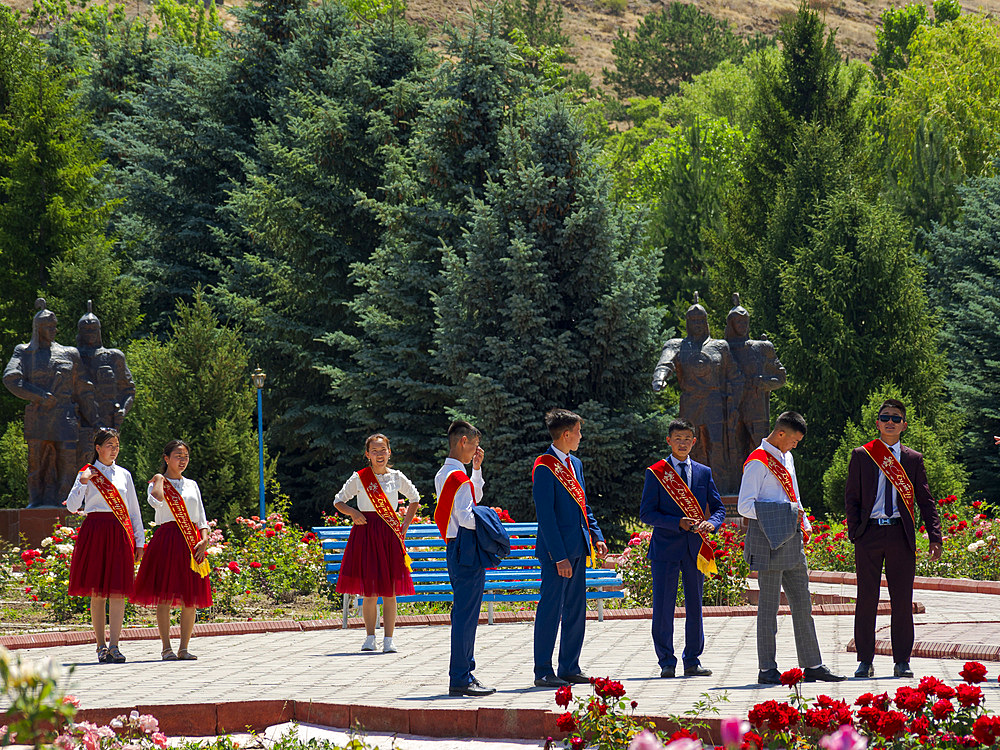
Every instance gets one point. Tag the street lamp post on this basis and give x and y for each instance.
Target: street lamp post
(258, 377)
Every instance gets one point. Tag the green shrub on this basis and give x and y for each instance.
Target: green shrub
(13, 467)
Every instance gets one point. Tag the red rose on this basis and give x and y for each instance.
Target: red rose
(942, 708)
(268, 533)
(634, 704)
(279, 526)
(255, 564)
(272, 567)
(564, 695)
(929, 685)
(819, 718)
(890, 724)
(597, 707)
(233, 566)
(920, 726)
(909, 699)
(566, 722)
(944, 691)
(683, 733)
(974, 672)
(986, 729)
(752, 741)
(870, 716)
(791, 677)
(865, 699)
(578, 743)
(969, 695)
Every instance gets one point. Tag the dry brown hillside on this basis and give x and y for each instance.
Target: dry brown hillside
(592, 29)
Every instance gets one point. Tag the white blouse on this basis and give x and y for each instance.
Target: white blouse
(188, 489)
(394, 483)
(90, 499)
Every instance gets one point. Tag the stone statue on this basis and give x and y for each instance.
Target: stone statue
(113, 384)
(762, 373)
(711, 390)
(52, 379)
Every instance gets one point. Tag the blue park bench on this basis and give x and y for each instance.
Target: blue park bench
(517, 579)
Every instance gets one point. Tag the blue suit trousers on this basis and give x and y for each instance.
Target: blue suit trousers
(565, 599)
(665, 575)
(467, 582)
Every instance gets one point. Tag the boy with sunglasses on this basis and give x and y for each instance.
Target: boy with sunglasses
(886, 482)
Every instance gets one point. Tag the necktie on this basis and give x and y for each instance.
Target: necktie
(684, 473)
(890, 496)
(569, 465)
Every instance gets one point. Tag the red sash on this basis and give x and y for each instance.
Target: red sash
(894, 472)
(681, 494)
(384, 508)
(779, 472)
(114, 500)
(446, 500)
(189, 531)
(569, 482)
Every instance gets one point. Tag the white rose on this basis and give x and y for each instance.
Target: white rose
(64, 549)
(214, 550)
(64, 531)
(976, 545)
(47, 541)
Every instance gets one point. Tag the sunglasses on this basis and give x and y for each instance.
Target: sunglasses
(890, 418)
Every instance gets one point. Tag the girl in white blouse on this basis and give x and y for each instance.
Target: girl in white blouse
(174, 572)
(375, 562)
(103, 562)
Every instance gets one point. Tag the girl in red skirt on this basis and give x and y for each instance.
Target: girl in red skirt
(375, 562)
(110, 541)
(174, 572)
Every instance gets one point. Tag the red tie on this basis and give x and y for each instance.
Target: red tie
(569, 466)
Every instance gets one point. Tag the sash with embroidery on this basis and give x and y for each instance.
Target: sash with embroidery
(894, 472)
(784, 477)
(446, 500)
(681, 494)
(384, 508)
(572, 486)
(189, 531)
(114, 500)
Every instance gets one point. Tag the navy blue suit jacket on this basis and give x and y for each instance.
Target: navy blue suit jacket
(658, 510)
(562, 533)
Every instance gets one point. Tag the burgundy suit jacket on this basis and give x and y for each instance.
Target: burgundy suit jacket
(862, 484)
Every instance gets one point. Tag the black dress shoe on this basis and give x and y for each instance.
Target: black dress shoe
(576, 679)
(668, 672)
(550, 681)
(821, 673)
(474, 689)
(865, 669)
(769, 677)
(902, 669)
(697, 671)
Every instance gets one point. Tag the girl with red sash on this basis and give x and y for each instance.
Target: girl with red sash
(110, 541)
(375, 562)
(174, 572)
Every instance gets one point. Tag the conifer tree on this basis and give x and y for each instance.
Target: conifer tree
(548, 302)
(965, 288)
(454, 151)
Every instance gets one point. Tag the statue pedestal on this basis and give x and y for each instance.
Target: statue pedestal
(730, 502)
(34, 524)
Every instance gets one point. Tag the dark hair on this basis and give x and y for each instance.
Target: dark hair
(894, 404)
(557, 421)
(170, 448)
(679, 424)
(377, 436)
(103, 435)
(791, 421)
(461, 429)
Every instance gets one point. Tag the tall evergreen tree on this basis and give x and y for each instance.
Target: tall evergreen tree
(549, 302)
(427, 200)
(966, 288)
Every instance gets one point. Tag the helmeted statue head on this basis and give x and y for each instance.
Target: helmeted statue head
(737, 321)
(88, 329)
(43, 325)
(697, 320)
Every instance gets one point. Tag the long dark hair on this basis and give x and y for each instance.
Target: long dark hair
(170, 448)
(103, 435)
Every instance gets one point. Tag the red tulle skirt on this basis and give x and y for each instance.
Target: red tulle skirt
(373, 562)
(165, 575)
(102, 563)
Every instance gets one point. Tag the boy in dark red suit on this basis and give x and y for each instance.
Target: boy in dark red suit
(886, 481)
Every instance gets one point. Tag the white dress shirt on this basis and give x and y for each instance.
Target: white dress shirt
(878, 509)
(88, 497)
(760, 485)
(394, 483)
(686, 463)
(461, 510)
(188, 489)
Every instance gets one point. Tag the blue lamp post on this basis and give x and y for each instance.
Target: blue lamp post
(258, 377)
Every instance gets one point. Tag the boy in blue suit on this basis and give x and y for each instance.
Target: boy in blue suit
(681, 520)
(567, 537)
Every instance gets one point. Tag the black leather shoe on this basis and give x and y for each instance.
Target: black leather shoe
(902, 669)
(697, 671)
(550, 681)
(576, 679)
(668, 672)
(474, 689)
(821, 673)
(769, 677)
(865, 669)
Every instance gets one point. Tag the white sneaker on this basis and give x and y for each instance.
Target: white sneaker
(369, 644)
(387, 647)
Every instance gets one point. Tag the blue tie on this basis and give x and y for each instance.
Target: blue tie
(684, 473)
